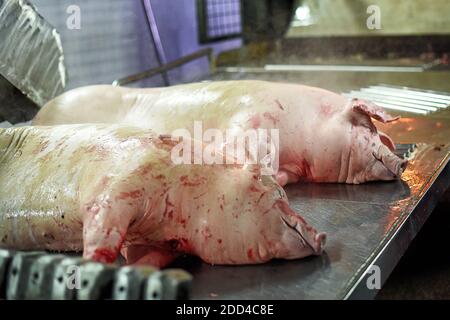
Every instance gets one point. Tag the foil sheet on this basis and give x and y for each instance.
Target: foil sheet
(31, 55)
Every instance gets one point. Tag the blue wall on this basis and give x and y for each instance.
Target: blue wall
(114, 40)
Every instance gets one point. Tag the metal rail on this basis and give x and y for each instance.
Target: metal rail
(206, 52)
(161, 54)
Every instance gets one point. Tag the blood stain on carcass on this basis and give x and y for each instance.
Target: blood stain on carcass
(222, 201)
(104, 255)
(306, 169)
(182, 221)
(255, 121)
(191, 183)
(168, 210)
(250, 254)
(325, 109)
(42, 146)
(270, 116)
(145, 169)
(207, 233)
(132, 194)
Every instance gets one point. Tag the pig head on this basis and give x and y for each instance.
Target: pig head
(347, 148)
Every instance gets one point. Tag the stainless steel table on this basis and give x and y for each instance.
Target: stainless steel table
(369, 224)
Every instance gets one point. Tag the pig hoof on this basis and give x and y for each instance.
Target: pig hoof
(320, 241)
(282, 178)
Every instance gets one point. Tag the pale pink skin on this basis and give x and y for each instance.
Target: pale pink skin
(324, 137)
(109, 188)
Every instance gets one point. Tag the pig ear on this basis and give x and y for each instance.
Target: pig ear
(387, 141)
(372, 110)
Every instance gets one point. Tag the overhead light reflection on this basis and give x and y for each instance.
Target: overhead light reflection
(302, 16)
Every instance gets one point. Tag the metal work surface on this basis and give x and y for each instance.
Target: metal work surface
(367, 224)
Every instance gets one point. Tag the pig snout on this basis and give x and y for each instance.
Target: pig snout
(382, 164)
(298, 239)
(387, 165)
(371, 157)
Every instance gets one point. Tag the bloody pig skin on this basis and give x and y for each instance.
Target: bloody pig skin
(106, 189)
(324, 137)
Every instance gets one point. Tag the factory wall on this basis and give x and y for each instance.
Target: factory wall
(114, 39)
(349, 18)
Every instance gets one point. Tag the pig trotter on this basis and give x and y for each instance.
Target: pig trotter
(106, 221)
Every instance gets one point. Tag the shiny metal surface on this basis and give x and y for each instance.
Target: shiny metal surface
(368, 224)
(5, 261)
(177, 284)
(154, 286)
(169, 284)
(19, 274)
(96, 281)
(60, 289)
(15, 106)
(128, 282)
(41, 277)
(31, 55)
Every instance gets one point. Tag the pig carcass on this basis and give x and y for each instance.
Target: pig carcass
(109, 188)
(323, 136)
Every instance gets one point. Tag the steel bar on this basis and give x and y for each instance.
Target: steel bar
(207, 52)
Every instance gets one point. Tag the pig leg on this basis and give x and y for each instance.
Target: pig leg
(148, 255)
(284, 177)
(105, 223)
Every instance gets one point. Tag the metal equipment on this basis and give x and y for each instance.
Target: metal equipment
(32, 67)
(40, 275)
